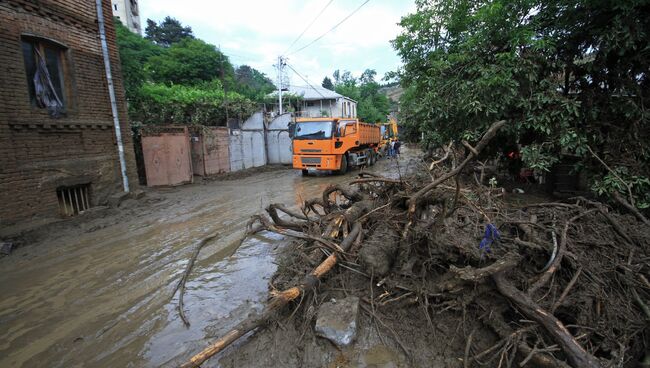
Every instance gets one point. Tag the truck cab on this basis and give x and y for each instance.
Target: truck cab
(333, 143)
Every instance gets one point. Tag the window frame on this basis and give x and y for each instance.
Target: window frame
(64, 64)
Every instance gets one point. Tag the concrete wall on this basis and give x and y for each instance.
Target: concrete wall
(278, 141)
(38, 153)
(247, 145)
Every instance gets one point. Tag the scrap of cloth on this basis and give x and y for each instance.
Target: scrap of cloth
(491, 235)
(46, 96)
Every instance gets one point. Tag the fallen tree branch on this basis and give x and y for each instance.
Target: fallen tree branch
(445, 157)
(635, 211)
(375, 180)
(555, 264)
(472, 274)
(183, 280)
(489, 134)
(576, 354)
(628, 186)
(278, 300)
(566, 290)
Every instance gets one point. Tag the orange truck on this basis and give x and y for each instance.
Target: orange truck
(333, 144)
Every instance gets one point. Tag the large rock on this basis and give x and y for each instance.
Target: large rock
(337, 320)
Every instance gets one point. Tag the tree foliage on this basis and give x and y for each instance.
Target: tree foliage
(189, 61)
(372, 106)
(252, 83)
(135, 51)
(564, 74)
(186, 81)
(168, 32)
(327, 83)
(206, 104)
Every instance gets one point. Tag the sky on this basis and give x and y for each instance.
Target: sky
(256, 32)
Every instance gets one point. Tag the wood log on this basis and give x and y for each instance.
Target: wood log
(472, 274)
(576, 354)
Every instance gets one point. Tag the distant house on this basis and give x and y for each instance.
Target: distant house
(59, 149)
(321, 102)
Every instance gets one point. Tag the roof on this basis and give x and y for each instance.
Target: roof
(314, 93)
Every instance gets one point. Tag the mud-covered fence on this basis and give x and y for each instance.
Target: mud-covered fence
(173, 154)
(210, 150)
(166, 151)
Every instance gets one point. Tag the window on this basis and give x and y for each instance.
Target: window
(73, 200)
(45, 69)
(313, 130)
(115, 7)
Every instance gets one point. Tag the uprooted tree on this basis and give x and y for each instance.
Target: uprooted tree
(558, 284)
(570, 77)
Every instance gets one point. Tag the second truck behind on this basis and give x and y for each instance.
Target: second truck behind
(333, 144)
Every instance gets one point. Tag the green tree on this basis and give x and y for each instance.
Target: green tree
(168, 32)
(564, 74)
(327, 83)
(372, 106)
(134, 53)
(252, 83)
(190, 61)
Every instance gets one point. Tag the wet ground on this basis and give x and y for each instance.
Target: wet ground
(96, 291)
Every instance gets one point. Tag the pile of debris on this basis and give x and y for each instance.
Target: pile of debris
(552, 284)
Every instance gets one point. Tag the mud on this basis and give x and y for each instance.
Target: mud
(95, 291)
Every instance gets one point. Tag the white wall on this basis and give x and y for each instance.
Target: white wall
(247, 145)
(278, 141)
(336, 110)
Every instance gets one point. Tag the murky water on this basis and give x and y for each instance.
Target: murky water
(100, 295)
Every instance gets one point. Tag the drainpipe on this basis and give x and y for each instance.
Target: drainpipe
(111, 94)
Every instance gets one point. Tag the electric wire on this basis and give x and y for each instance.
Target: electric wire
(309, 26)
(305, 80)
(331, 29)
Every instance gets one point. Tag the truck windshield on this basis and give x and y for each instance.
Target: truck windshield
(313, 130)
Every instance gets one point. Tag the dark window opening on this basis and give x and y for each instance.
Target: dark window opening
(73, 200)
(45, 69)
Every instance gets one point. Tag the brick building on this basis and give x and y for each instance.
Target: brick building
(58, 146)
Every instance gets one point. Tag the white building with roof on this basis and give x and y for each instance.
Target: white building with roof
(321, 102)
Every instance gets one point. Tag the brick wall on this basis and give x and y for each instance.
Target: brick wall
(39, 154)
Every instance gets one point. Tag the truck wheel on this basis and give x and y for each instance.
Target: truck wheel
(305, 172)
(344, 166)
(371, 157)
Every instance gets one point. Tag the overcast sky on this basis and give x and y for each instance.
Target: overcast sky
(256, 32)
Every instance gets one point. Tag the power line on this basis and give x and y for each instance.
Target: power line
(303, 78)
(331, 29)
(309, 26)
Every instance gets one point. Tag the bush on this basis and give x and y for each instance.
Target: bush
(205, 104)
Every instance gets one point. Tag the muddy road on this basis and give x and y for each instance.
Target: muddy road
(96, 291)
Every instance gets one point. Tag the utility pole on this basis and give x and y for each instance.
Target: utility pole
(281, 64)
